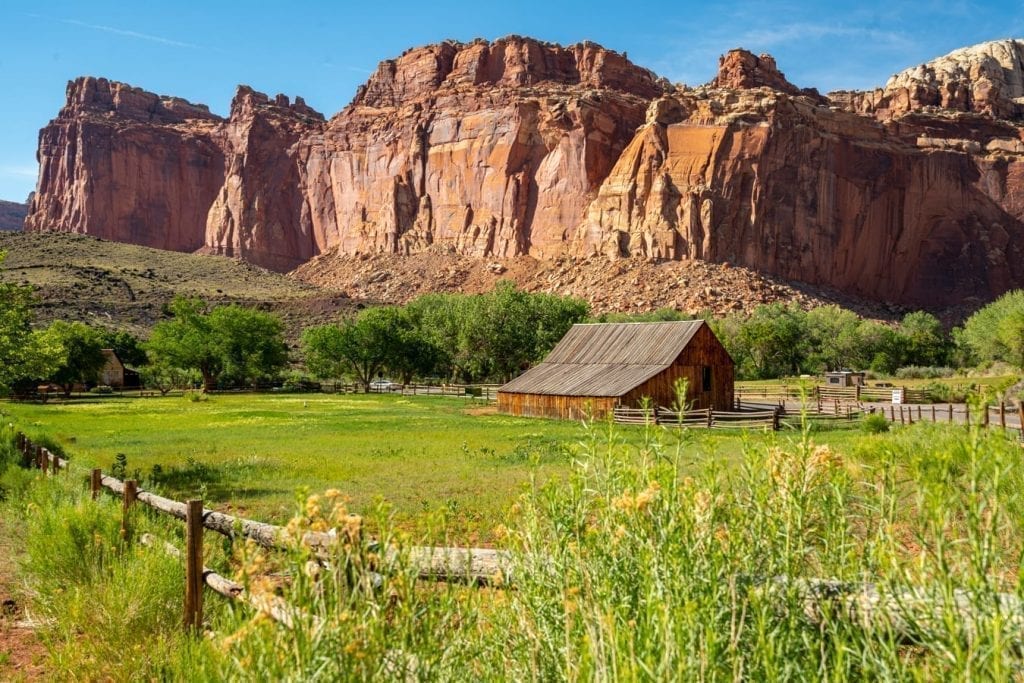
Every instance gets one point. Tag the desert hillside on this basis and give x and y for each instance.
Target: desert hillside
(127, 286)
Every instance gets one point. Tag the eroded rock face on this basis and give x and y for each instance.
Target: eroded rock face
(517, 147)
(493, 148)
(127, 165)
(986, 78)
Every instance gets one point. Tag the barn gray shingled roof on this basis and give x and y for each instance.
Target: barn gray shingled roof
(606, 359)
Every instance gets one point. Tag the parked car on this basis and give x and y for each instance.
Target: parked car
(381, 385)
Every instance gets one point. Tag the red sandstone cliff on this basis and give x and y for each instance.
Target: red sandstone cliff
(913, 193)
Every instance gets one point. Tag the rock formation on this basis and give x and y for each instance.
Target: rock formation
(913, 193)
(986, 78)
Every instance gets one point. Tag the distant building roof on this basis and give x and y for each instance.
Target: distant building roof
(606, 359)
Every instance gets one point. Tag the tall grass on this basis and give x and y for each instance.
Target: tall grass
(646, 563)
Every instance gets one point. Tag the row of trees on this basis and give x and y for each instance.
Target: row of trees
(467, 337)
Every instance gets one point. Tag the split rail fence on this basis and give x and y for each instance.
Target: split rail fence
(706, 418)
(471, 565)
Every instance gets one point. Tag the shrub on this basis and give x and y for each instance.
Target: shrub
(924, 372)
(875, 423)
(940, 392)
(196, 396)
(102, 389)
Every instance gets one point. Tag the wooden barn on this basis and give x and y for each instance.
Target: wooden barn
(601, 366)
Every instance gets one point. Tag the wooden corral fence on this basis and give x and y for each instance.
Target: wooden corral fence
(894, 611)
(998, 416)
(706, 418)
(784, 391)
(471, 565)
(486, 392)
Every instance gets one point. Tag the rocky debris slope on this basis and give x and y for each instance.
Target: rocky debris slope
(625, 286)
(912, 194)
(12, 215)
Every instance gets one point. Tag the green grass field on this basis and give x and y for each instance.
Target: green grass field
(659, 555)
(435, 460)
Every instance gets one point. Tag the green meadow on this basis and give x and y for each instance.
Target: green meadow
(438, 462)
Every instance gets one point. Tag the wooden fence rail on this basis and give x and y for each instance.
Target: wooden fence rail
(472, 565)
(706, 418)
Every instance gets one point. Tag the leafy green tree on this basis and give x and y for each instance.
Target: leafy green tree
(323, 350)
(775, 337)
(233, 341)
(996, 332)
(82, 358)
(25, 355)
(126, 345)
(833, 339)
(187, 341)
(360, 347)
(250, 343)
(924, 340)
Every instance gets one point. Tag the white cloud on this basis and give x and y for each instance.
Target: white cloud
(130, 34)
(19, 171)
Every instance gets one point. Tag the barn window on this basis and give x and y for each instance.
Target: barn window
(706, 378)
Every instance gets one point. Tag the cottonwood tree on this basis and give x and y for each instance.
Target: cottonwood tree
(25, 355)
(232, 342)
(82, 358)
(996, 332)
(361, 347)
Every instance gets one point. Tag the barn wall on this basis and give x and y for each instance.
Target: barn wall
(703, 350)
(559, 407)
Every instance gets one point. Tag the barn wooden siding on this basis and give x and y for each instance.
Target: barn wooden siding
(599, 366)
(558, 407)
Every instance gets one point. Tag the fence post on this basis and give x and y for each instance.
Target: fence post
(40, 459)
(933, 413)
(194, 566)
(94, 482)
(903, 420)
(985, 419)
(950, 420)
(775, 420)
(131, 492)
(1002, 414)
(709, 418)
(918, 412)
(892, 413)
(967, 414)
(54, 463)
(1020, 413)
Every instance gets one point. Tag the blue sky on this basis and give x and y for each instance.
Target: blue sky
(323, 50)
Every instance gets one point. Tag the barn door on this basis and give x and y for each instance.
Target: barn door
(706, 383)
